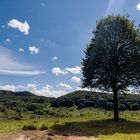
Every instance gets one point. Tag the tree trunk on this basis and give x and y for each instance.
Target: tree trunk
(115, 105)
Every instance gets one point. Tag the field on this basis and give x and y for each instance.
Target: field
(83, 122)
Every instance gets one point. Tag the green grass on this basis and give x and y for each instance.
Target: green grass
(118, 136)
(88, 122)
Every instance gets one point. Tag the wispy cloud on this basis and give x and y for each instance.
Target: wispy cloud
(115, 7)
(3, 26)
(21, 72)
(8, 61)
(10, 66)
(22, 27)
(43, 4)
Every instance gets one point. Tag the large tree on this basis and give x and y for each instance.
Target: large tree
(112, 58)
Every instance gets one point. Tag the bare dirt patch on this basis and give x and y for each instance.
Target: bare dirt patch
(41, 135)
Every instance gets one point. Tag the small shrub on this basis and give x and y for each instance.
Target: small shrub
(17, 118)
(44, 127)
(122, 107)
(29, 127)
(135, 106)
(39, 112)
(81, 106)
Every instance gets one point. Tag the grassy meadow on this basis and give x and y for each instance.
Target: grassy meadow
(83, 122)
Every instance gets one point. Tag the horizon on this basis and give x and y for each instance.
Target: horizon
(42, 42)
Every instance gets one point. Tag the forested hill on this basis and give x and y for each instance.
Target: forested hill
(21, 97)
(83, 99)
(10, 93)
(26, 101)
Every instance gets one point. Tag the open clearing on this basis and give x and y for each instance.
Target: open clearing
(95, 127)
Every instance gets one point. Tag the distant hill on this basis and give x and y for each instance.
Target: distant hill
(83, 99)
(10, 93)
(24, 97)
(13, 104)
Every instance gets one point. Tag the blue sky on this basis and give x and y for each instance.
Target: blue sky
(42, 41)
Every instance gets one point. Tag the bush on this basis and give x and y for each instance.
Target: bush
(135, 106)
(29, 127)
(39, 112)
(108, 106)
(122, 107)
(17, 118)
(44, 127)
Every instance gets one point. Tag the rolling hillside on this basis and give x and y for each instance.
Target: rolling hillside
(18, 105)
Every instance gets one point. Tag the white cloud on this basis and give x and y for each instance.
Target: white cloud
(8, 87)
(23, 27)
(79, 88)
(8, 41)
(32, 88)
(58, 93)
(46, 90)
(138, 6)
(34, 50)
(11, 87)
(55, 58)
(21, 72)
(21, 50)
(64, 86)
(74, 70)
(21, 87)
(57, 71)
(76, 79)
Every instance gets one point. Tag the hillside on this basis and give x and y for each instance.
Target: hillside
(14, 105)
(84, 99)
(19, 105)
(22, 97)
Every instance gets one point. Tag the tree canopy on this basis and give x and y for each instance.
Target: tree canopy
(112, 58)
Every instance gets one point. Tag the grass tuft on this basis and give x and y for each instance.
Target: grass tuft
(44, 127)
(29, 127)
